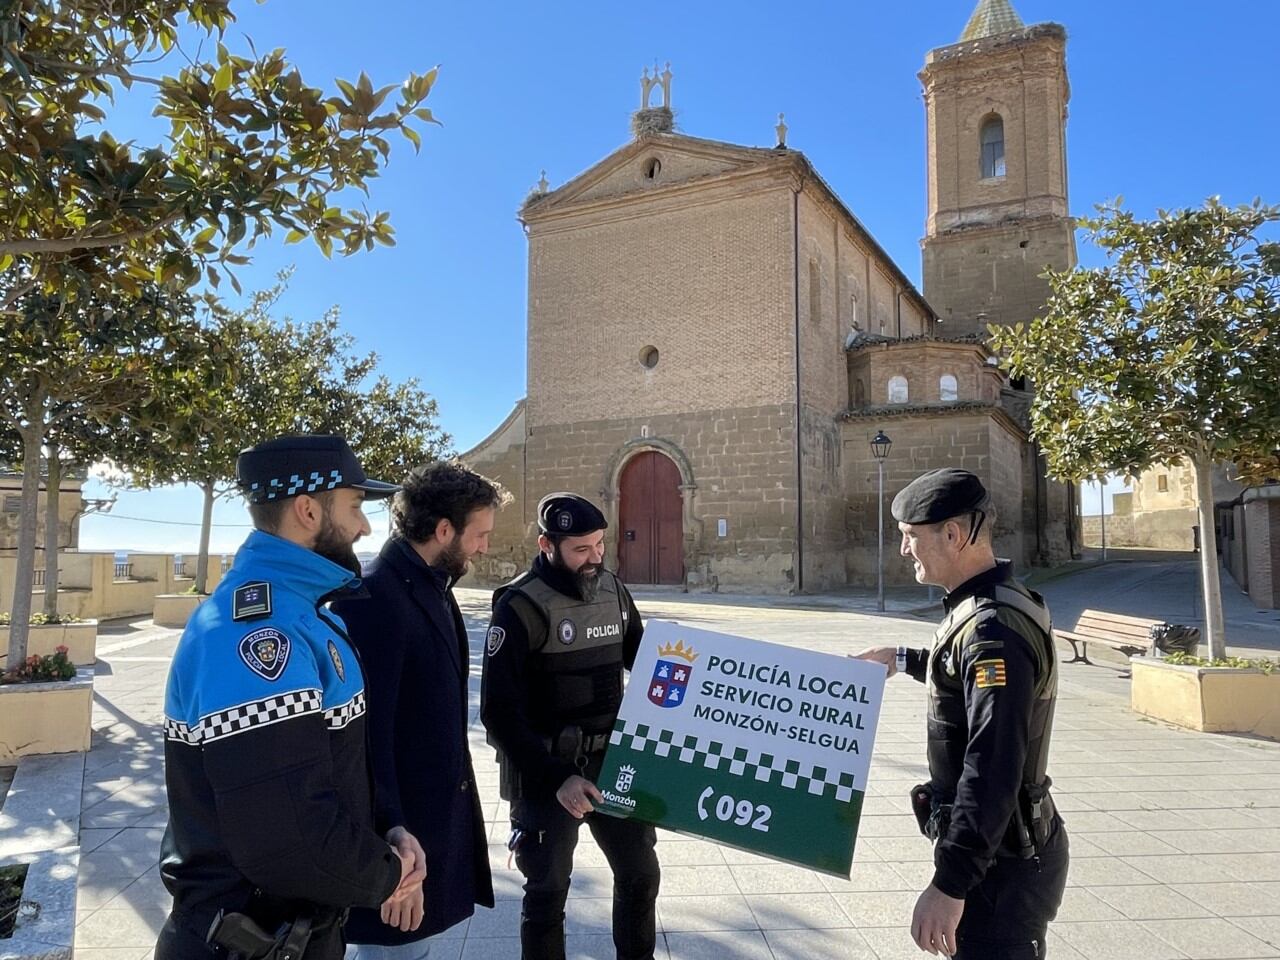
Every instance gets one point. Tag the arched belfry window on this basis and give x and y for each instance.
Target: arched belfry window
(992, 147)
(948, 388)
(898, 389)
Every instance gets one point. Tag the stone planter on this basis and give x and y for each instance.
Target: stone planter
(46, 717)
(80, 639)
(1213, 699)
(47, 920)
(174, 609)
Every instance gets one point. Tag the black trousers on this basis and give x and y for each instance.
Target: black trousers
(1006, 916)
(545, 858)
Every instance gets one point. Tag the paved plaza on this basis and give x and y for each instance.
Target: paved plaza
(1175, 836)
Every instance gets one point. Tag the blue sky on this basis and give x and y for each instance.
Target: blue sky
(1171, 103)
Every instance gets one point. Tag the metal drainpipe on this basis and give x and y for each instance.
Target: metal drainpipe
(795, 296)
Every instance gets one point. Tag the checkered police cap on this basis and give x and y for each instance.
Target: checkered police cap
(290, 466)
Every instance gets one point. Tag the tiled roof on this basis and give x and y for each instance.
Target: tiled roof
(990, 18)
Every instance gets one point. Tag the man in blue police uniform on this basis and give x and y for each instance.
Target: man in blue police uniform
(271, 834)
(1000, 854)
(562, 633)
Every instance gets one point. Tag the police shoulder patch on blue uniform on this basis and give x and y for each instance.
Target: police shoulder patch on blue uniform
(251, 601)
(265, 651)
(336, 657)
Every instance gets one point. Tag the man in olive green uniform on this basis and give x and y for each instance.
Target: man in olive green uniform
(1000, 851)
(562, 633)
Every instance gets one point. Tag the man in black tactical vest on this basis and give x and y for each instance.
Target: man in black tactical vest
(562, 633)
(1000, 853)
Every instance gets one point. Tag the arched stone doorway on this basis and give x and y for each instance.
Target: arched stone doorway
(650, 520)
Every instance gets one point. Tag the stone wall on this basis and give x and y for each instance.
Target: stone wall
(1159, 530)
(1262, 543)
(69, 505)
(1023, 80)
(500, 456)
(707, 280)
(980, 441)
(992, 274)
(922, 364)
(1119, 531)
(988, 239)
(736, 464)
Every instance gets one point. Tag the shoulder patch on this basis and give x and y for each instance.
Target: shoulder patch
(265, 652)
(336, 657)
(989, 673)
(493, 640)
(251, 601)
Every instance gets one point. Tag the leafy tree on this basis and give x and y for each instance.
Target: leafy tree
(71, 366)
(1169, 352)
(251, 147)
(285, 377)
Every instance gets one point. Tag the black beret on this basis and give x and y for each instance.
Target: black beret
(940, 495)
(569, 515)
(290, 466)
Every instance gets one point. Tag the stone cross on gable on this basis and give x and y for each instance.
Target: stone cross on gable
(647, 84)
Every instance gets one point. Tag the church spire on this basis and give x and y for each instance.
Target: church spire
(989, 18)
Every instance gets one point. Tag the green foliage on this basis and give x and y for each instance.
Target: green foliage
(36, 669)
(251, 146)
(283, 377)
(1170, 351)
(41, 619)
(12, 879)
(1238, 663)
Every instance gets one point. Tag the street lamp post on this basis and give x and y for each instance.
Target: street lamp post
(880, 445)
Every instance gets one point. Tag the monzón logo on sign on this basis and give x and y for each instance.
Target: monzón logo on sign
(626, 774)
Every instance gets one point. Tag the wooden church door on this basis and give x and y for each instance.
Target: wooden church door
(650, 517)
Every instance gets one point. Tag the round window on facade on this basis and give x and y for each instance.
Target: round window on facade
(652, 167)
(649, 357)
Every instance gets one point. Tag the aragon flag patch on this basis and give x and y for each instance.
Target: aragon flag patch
(989, 673)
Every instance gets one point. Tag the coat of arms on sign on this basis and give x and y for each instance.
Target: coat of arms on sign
(671, 675)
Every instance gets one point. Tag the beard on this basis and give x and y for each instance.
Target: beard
(334, 547)
(453, 560)
(586, 578)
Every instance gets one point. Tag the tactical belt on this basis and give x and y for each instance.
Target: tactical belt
(592, 743)
(1029, 826)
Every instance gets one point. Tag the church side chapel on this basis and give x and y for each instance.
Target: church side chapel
(747, 337)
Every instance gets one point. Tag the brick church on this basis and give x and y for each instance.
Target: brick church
(754, 337)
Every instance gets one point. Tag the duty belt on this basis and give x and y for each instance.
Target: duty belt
(593, 742)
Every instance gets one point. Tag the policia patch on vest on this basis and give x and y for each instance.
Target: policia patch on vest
(251, 601)
(989, 673)
(265, 652)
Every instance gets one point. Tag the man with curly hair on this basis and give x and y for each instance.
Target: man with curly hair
(412, 639)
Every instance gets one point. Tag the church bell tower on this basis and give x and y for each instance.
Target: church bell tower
(996, 113)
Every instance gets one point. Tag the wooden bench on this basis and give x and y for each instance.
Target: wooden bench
(1129, 635)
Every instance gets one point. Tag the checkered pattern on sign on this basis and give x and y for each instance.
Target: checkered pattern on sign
(245, 716)
(739, 761)
(338, 717)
